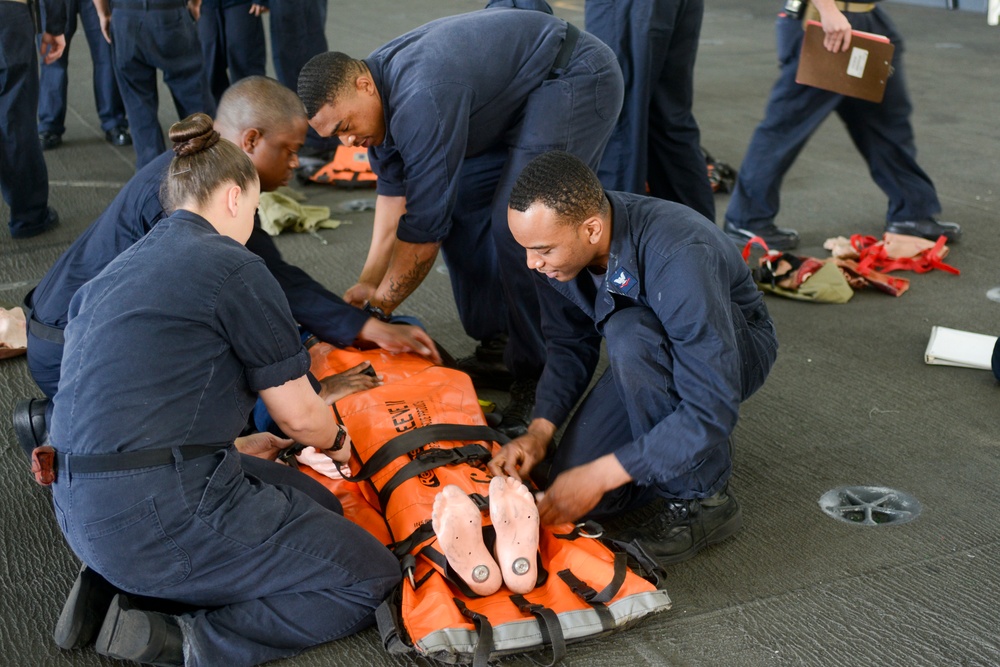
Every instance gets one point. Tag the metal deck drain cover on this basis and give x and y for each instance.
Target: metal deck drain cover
(869, 505)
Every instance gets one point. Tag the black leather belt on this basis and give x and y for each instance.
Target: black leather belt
(91, 463)
(566, 50)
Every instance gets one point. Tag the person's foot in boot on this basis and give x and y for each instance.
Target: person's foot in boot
(84, 610)
(485, 366)
(29, 424)
(775, 237)
(674, 530)
(517, 414)
(141, 636)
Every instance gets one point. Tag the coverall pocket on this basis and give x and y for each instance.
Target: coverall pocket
(132, 550)
(241, 507)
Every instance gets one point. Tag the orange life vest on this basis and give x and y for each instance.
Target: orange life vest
(349, 168)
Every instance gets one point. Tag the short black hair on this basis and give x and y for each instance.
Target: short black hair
(325, 77)
(561, 182)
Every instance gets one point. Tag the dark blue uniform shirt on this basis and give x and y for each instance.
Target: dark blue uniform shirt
(670, 259)
(169, 344)
(450, 89)
(135, 211)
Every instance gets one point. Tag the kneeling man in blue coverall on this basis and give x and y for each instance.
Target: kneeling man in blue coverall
(649, 451)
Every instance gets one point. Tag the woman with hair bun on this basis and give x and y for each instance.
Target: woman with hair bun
(166, 352)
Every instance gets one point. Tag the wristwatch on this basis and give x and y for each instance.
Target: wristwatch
(338, 442)
(376, 312)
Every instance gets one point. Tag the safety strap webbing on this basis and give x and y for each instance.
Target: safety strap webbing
(548, 625)
(429, 460)
(600, 600)
(420, 437)
(484, 646)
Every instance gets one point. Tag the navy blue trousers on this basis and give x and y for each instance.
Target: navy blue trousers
(882, 134)
(272, 571)
(297, 34)
(636, 392)
(24, 178)
(470, 253)
(656, 140)
(574, 112)
(54, 79)
(232, 44)
(144, 41)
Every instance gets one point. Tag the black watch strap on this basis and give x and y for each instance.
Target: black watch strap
(376, 312)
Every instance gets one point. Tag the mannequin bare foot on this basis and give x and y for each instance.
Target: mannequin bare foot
(459, 528)
(515, 519)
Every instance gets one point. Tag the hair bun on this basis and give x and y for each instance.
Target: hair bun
(193, 135)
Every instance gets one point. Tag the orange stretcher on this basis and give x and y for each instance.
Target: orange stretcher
(421, 430)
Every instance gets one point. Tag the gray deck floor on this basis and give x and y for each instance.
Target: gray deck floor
(850, 400)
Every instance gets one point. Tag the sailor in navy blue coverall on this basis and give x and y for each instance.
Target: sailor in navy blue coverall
(24, 178)
(688, 339)
(166, 350)
(881, 132)
(657, 140)
(449, 131)
(54, 82)
(137, 209)
(151, 35)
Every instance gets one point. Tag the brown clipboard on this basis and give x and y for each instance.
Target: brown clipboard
(861, 71)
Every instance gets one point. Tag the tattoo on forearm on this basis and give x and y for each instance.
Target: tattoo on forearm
(402, 286)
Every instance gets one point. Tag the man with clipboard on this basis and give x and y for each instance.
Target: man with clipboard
(881, 132)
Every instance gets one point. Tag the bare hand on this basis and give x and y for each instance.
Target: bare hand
(105, 20)
(335, 387)
(52, 47)
(262, 445)
(396, 338)
(258, 10)
(574, 492)
(360, 294)
(570, 496)
(519, 456)
(837, 31)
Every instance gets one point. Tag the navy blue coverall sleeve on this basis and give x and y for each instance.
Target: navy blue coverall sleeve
(572, 348)
(433, 128)
(697, 317)
(54, 16)
(317, 309)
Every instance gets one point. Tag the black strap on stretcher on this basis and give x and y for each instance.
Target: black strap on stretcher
(420, 437)
(599, 601)
(485, 630)
(428, 460)
(548, 626)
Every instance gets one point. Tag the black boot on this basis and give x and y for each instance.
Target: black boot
(29, 423)
(485, 367)
(517, 414)
(141, 636)
(674, 529)
(84, 610)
